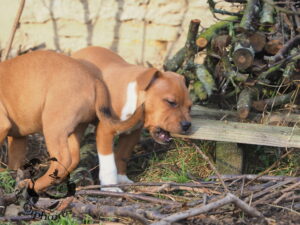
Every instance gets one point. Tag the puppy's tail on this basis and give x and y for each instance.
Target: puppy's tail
(106, 115)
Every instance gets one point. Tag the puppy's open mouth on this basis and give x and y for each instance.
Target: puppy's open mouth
(160, 135)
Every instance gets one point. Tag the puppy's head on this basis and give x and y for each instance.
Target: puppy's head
(167, 104)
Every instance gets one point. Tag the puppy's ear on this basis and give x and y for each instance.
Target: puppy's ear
(145, 80)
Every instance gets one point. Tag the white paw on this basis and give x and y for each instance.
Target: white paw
(112, 189)
(123, 179)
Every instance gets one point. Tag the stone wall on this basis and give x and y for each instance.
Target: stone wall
(139, 30)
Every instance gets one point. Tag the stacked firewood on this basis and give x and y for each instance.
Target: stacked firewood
(252, 57)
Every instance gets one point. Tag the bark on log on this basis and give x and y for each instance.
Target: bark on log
(267, 16)
(176, 61)
(206, 36)
(292, 43)
(199, 90)
(190, 44)
(187, 53)
(276, 101)
(249, 13)
(206, 79)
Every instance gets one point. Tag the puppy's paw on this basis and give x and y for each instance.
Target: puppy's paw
(112, 189)
(123, 179)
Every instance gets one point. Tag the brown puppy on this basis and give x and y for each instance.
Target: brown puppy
(166, 98)
(54, 94)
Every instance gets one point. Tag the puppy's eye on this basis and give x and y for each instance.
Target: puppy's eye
(171, 102)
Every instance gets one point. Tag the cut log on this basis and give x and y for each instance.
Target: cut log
(273, 46)
(243, 56)
(219, 43)
(257, 41)
(245, 101)
(206, 36)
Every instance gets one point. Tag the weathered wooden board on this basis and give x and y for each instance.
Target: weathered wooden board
(247, 133)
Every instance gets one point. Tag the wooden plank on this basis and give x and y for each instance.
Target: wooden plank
(247, 133)
(219, 114)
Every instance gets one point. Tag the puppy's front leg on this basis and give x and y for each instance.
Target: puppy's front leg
(107, 167)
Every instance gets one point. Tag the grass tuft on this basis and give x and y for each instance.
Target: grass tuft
(181, 164)
(7, 183)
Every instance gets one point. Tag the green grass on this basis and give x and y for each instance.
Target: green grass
(180, 165)
(7, 183)
(65, 220)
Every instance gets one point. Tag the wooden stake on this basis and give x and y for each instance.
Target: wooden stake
(13, 31)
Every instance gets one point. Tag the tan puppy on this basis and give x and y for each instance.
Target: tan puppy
(54, 94)
(166, 98)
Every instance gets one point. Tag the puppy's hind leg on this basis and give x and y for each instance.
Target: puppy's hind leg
(74, 146)
(56, 131)
(5, 125)
(16, 152)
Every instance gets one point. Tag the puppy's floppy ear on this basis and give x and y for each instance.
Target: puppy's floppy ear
(145, 80)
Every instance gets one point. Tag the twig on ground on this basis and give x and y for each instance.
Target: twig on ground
(229, 177)
(211, 165)
(153, 184)
(128, 196)
(229, 198)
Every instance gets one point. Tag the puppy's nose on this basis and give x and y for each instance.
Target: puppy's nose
(185, 125)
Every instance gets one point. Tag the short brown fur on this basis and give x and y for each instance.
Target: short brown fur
(56, 95)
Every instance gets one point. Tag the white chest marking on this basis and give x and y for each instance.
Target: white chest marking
(131, 101)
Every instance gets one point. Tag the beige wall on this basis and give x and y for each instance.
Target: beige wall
(139, 30)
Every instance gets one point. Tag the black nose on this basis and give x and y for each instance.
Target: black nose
(185, 125)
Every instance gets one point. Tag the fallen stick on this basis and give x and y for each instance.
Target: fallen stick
(80, 208)
(278, 100)
(13, 31)
(153, 184)
(292, 43)
(128, 196)
(251, 177)
(265, 191)
(16, 218)
(229, 198)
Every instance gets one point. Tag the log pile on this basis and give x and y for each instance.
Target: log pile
(252, 58)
